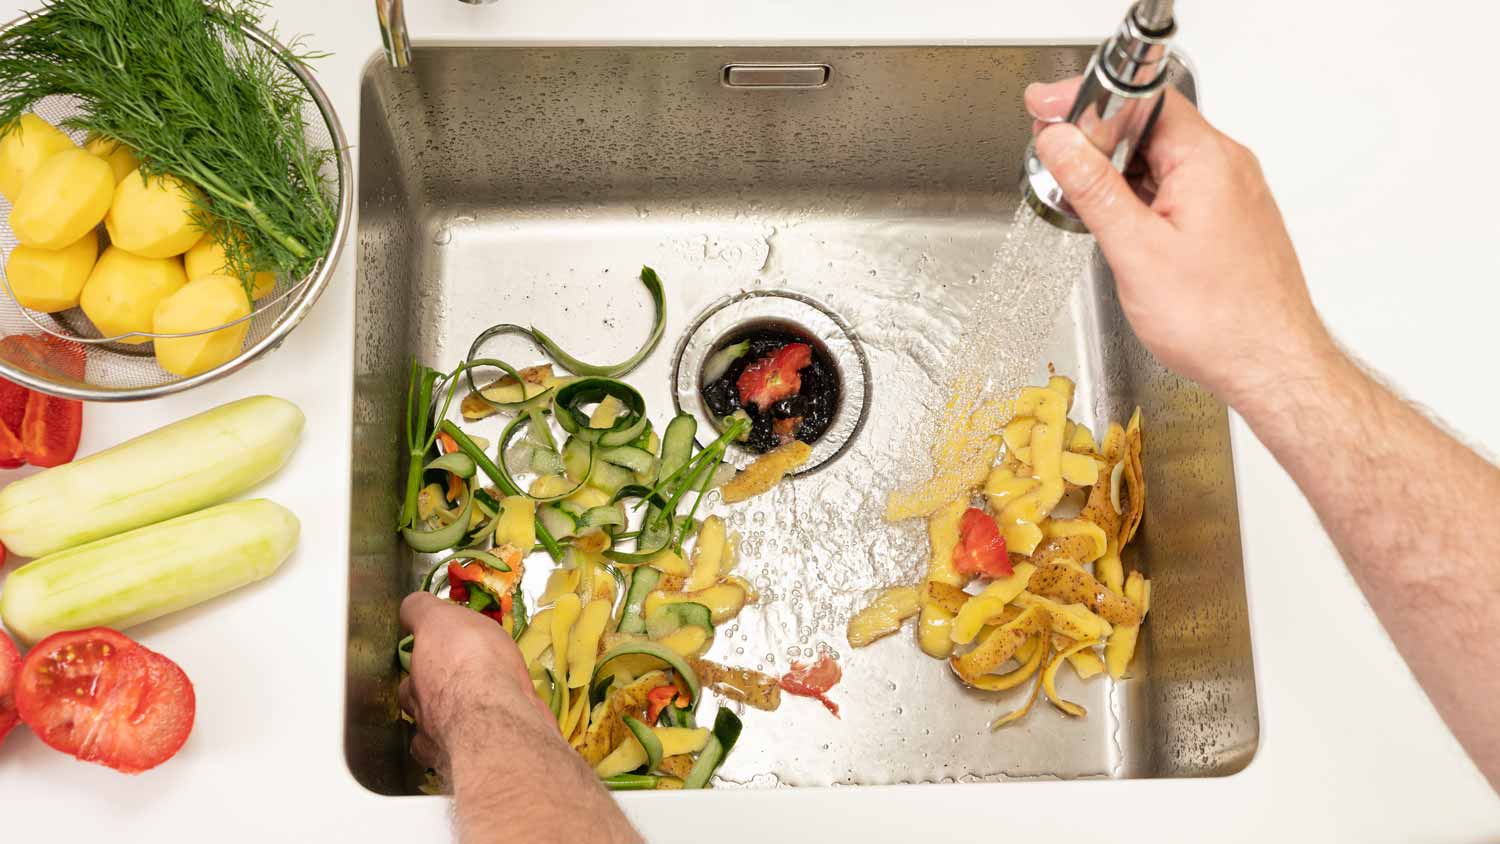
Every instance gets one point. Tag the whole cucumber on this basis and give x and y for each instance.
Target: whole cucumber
(176, 469)
(148, 572)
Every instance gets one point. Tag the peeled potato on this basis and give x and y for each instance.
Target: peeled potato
(120, 158)
(207, 258)
(204, 303)
(24, 148)
(64, 198)
(153, 217)
(124, 289)
(50, 280)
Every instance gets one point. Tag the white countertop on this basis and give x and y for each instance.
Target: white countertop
(1362, 116)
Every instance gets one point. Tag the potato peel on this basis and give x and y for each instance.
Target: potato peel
(766, 471)
(884, 615)
(1018, 714)
(1049, 679)
(1071, 585)
(1000, 645)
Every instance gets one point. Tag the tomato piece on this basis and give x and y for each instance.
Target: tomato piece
(100, 697)
(981, 548)
(775, 376)
(50, 429)
(12, 410)
(814, 680)
(10, 668)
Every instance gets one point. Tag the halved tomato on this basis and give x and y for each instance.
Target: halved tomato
(103, 698)
(10, 667)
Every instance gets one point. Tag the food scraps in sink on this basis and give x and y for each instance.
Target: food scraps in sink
(781, 380)
(579, 474)
(1030, 576)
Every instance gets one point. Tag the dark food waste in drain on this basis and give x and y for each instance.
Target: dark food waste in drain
(785, 382)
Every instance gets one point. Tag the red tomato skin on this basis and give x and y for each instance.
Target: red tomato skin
(10, 671)
(12, 411)
(814, 680)
(774, 377)
(51, 429)
(981, 549)
(100, 697)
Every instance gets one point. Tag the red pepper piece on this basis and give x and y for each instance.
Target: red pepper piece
(814, 680)
(50, 429)
(981, 548)
(657, 700)
(775, 376)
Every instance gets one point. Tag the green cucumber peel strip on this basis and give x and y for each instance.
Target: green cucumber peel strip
(519, 620)
(445, 537)
(480, 598)
(404, 650)
(599, 688)
(631, 782)
(726, 732)
(649, 742)
(554, 695)
(500, 479)
(658, 323)
(642, 581)
(666, 655)
(718, 363)
(530, 399)
(626, 427)
(513, 428)
(670, 617)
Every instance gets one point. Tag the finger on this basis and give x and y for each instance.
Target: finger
(1095, 189)
(416, 607)
(1179, 129)
(1050, 102)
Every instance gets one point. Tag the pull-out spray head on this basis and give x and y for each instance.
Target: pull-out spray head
(1116, 104)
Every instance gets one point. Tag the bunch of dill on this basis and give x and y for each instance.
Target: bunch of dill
(179, 82)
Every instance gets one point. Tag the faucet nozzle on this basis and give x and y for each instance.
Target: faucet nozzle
(1115, 106)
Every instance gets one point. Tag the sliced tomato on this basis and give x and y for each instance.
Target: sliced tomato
(981, 548)
(814, 680)
(10, 669)
(775, 376)
(50, 429)
(100, 697)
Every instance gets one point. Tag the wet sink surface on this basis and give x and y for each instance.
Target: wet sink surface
(530, 184)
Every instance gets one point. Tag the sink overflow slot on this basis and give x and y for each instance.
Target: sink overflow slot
(777, 75)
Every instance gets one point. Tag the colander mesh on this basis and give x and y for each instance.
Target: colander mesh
(119, 366)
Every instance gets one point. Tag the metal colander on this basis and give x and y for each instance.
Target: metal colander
(75, 361)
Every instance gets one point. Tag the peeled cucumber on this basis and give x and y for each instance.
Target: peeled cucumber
(176, 469)
(150, 571)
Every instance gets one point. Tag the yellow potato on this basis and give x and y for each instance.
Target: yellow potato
(64, 198)
(49, 280)
(123, 290)
(24, 148)
(120, 158)
(207, 258)
(153, 217)
(209, 301)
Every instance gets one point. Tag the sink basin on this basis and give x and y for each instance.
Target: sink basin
(871, 185)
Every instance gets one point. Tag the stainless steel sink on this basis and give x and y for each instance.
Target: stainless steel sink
(502, 184)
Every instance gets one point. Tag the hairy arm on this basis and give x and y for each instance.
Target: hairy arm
(1211, 284)
(483, 728)
(1416, 516)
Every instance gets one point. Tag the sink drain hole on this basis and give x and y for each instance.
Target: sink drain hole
(786, 362)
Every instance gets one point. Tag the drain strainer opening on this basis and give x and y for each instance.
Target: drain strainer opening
(782, 360)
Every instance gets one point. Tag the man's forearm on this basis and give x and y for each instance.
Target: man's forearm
(530, 788)
(1416, 516)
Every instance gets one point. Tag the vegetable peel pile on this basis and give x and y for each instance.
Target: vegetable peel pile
(1009, 594)
(640, 583)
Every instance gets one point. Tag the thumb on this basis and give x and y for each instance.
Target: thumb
(1095, 189)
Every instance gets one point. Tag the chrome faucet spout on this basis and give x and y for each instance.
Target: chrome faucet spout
(1116, 104)
(392, 17)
